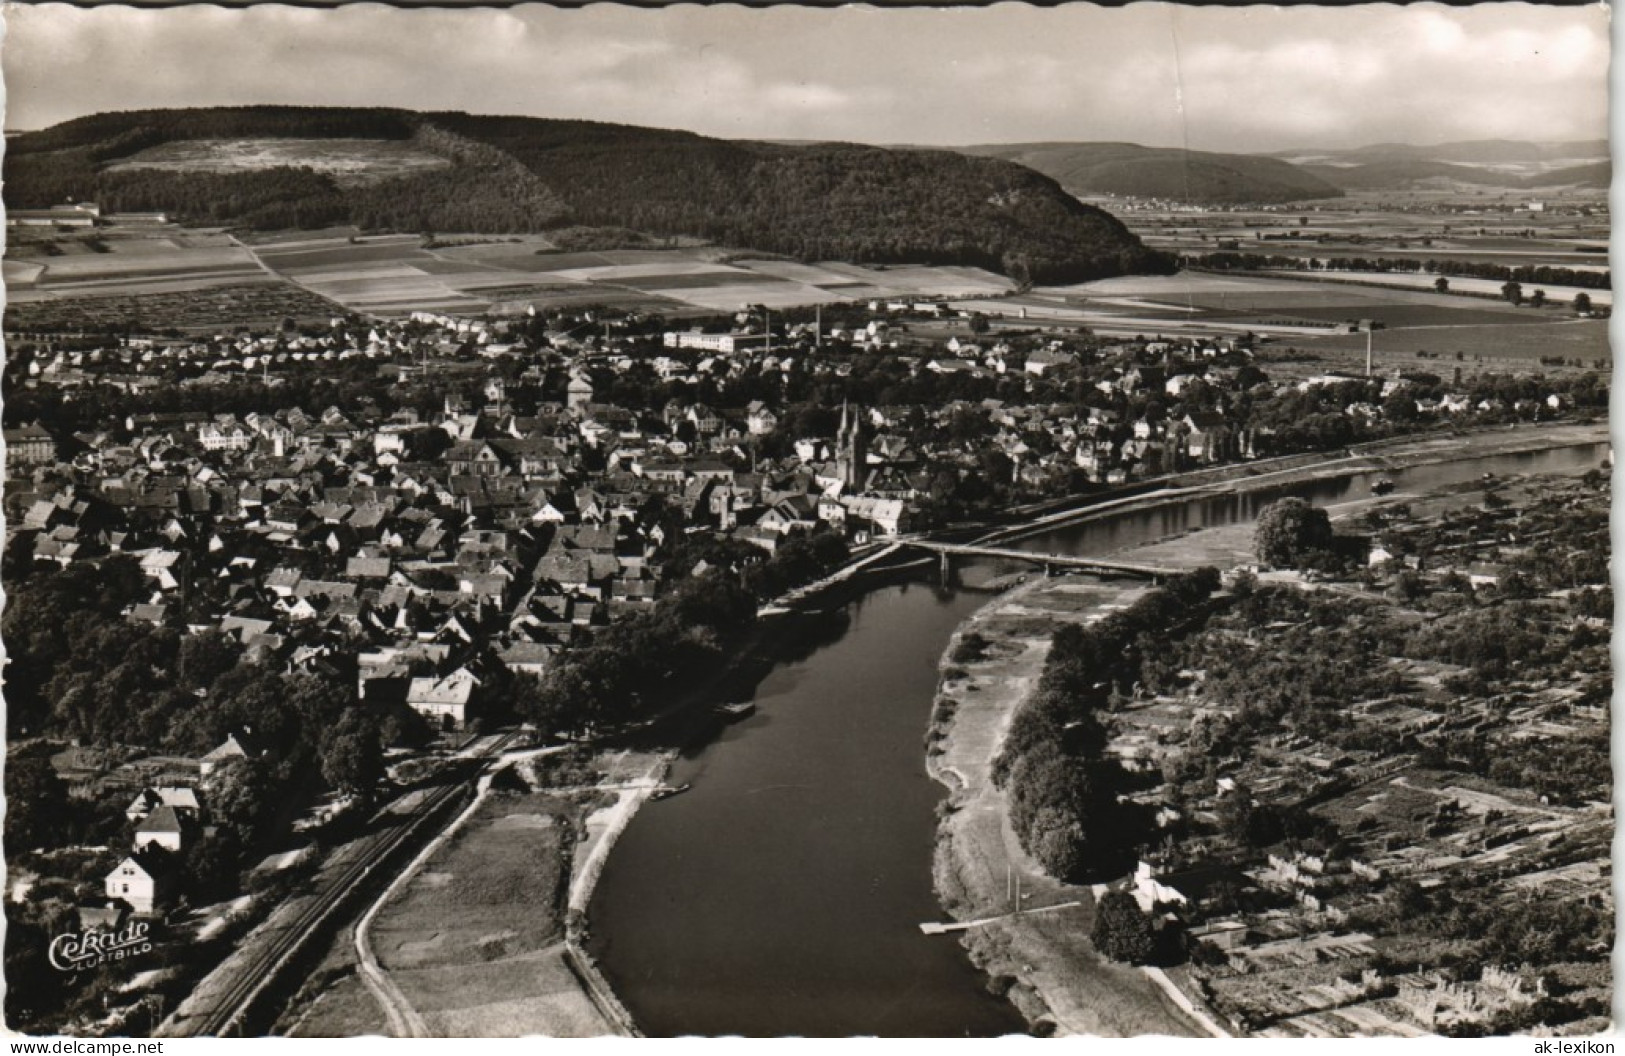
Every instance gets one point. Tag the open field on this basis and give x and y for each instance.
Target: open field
(391, 275)
(1315, 316)
(346, 160)
(493, 891)
(1602, 298)
(1503, 347)
(396, 274)
(475, 941)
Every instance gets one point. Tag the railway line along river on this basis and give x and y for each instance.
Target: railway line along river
(783, 894)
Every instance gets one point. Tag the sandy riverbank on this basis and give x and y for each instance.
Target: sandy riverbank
(1058, 978)
(1055, 977)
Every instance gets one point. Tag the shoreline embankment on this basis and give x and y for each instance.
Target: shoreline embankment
(1045, 964)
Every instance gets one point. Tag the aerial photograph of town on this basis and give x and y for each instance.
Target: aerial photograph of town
(807, 521)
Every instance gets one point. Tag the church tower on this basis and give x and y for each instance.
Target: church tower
(852, 445)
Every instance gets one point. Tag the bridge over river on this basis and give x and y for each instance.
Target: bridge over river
(1051, 562)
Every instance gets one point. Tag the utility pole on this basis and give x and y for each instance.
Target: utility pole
(1368, 350)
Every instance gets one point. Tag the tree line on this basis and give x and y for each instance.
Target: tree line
(1062, 786)
(1547, 274)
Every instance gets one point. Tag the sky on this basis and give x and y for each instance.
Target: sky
(1237, 79)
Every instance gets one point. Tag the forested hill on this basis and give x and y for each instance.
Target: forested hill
(1160, 172)
(512, 174)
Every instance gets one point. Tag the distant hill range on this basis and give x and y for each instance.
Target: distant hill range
(1130, 170)
(1510, 164)
(264, 168)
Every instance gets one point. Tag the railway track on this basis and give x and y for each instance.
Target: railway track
(231, 1012)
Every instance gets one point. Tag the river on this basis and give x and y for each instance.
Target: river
(783, 894)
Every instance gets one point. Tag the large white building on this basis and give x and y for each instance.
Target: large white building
(716, 342)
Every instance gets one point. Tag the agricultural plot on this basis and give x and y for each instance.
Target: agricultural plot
(1583, 339)
(98, 266)
(674, 270)
(291, 259)
(265, 303)
(1415, 319)
(1601, 298)
(20, 272)
(770, 294)
(141, 267)
(396, 275)
(293, 238)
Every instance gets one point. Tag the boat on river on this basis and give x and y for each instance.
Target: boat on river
(735, 712)
(670, 790)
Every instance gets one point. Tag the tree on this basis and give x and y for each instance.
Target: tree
(1291, 531)
(205, 657)
(1582, 303)
(36, 804)
(1513, 292)
(1122, 932)
(1441, 284)
(352, 756)
(1057, 839)
(1538, 299)
(242, 798)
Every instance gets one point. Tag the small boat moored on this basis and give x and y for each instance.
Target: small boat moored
(669, 791)
(734, 712)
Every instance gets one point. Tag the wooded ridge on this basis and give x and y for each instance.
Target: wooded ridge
(825, 201)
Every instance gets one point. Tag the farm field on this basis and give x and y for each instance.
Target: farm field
(346, 160)
(1311, 315)
(1479, 226)
(393, 275)
(396, 275)
(194, 307)
(1500, 347)
(1601, 298)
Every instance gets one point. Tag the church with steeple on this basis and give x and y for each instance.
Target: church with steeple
(852, 450)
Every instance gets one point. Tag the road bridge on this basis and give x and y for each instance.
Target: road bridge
(1051, 562)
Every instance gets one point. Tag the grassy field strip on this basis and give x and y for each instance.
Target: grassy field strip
(616, 272)
(810, 274)
(79, 294)
(115, 264)
(68, 286)
(732, 298)
(1472, 285)
(403, 1018)
(21, 271)
(1172, 287)
(500, 280)
(1585, 338)
(351, 273)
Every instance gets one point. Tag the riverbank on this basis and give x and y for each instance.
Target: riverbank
(1383, 456)
(1052, 974)
(1054, 977)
